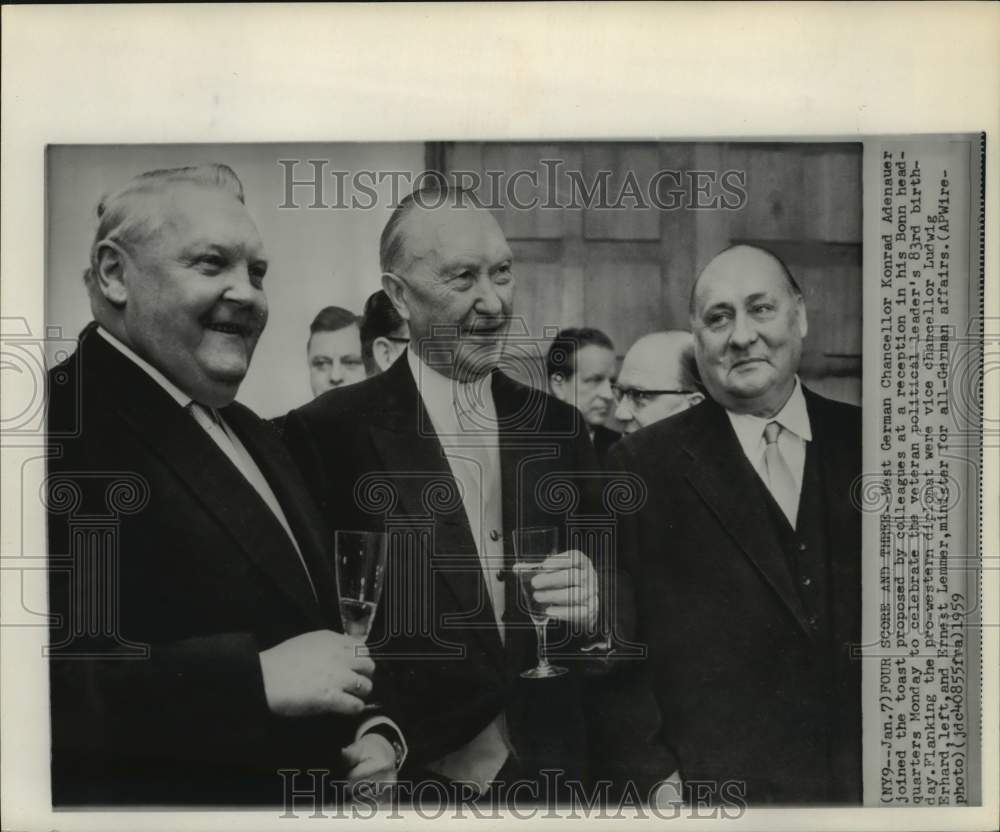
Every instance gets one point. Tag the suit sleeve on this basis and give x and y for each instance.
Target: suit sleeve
(308, 456)
(629, 742)
(169, 701)
(199, 699)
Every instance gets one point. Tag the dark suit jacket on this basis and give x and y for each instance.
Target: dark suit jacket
(169, 575)
(740, 678)
(604, 438)
(373, 461)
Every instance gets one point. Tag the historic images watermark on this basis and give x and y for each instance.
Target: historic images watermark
(315, 793)
(552, 187)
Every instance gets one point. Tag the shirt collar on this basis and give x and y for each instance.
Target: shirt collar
(443, 396)
(793, 417)
(182, 398)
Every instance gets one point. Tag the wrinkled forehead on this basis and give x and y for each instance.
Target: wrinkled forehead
(650, 369)
(188, 214)
(734, 277)
(452, 234)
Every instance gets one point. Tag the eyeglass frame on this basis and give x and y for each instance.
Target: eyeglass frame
(633, 394)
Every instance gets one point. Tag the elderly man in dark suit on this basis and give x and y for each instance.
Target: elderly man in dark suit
(747, 552)
(196, 646)
(452, 454)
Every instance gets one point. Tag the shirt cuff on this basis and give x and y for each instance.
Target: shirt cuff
(385, 727)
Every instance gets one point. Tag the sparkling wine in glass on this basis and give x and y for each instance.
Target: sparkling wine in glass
(360, 559)
(359, 567)
(531, 548)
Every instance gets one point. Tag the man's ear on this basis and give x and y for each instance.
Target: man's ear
(803, 321)
(381, 350)
(395, 289)
(557, 384)
(695, 398)
(110, 273)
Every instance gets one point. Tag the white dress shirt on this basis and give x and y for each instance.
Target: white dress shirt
(796, 432)
(465, 421)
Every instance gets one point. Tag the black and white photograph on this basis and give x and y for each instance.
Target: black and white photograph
(387, 476)
(534, 330)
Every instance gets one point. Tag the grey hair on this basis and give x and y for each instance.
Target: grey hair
(392, 244)
(125, 216)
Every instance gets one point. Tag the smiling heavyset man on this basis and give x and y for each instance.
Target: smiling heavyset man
(748, 551)
(196, 645)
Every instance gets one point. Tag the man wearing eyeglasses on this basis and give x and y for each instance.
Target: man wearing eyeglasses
(658, 379)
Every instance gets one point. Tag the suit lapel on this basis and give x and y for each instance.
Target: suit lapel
(413, 457)
(175, 438)
(726, 481)
(297, 504)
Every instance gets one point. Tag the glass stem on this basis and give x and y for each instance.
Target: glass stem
(543, 660)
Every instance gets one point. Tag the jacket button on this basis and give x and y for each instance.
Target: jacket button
(802, 547)
(813, 621)
(806, 581)
(494, 535)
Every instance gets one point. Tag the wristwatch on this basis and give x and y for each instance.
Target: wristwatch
(393, 738)
(397, 747)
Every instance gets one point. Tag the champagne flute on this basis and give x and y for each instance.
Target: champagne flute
(531, 548)
(359, 561)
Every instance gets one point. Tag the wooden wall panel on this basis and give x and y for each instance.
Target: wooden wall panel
(624, 299)
(536, 222)
(630, 271)
(836, 193)
(630, 222)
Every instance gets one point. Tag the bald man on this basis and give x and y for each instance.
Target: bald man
(747, 552)
(453, 454)
(658, 379)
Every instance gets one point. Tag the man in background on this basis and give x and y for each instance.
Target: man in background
(580, 366)
(658, 378)
(748, 552)
(196, 645)
(384, 334)
(334, 350)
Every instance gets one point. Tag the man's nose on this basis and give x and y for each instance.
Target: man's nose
(243, 289)
(336, 376)
(488, 301)
(623, 413)
(744, 332)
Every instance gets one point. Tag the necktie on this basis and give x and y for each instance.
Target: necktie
(204, 416)
(213, 425)
(780, 481)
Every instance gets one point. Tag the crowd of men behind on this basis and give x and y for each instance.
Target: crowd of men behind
(658, 377)
(198, 655)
